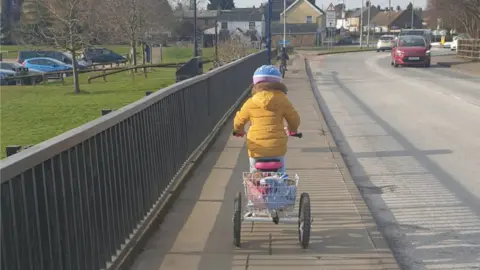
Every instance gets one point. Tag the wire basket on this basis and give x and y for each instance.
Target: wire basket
(270, 190)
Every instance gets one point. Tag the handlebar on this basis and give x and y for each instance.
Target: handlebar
(298, 134)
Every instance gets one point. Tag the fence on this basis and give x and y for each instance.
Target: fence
(469, 48)
(82, 199)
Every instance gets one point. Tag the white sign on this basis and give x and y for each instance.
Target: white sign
(331, 16)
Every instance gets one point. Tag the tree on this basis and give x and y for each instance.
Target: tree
(399, 8)
(462, 15)
(410, 6)
(66, 24)
(131, 21)
(380, 8)
(220, 4)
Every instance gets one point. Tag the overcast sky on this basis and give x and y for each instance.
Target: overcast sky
(348, 3)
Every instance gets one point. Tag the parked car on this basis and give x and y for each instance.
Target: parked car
(64, 57)
(411, 50)
(4, 74)
(101, 55)
(385, 43)
(345, 41)
(20, 70)
(46, 64)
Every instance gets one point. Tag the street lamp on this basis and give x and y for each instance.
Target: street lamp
(411, 2)
(268, 32)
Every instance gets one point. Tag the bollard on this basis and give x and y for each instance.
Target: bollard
(148, 93)
(12, 149)
(106, 111)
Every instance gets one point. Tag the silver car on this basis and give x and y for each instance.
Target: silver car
(385, 43)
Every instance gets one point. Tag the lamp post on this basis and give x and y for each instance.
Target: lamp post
(411, 2)
(284, 22)
(195, 43)
(268, 32)
(361, 26)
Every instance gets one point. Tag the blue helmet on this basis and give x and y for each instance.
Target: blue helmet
(267, 73)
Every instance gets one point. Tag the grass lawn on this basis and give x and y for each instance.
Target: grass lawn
(170, 54)
(32, 114)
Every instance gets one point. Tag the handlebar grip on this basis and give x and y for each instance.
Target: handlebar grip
(298, 135)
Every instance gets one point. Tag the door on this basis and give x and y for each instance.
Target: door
(36, 64)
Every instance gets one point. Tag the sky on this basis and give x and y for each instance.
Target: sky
(349, 3)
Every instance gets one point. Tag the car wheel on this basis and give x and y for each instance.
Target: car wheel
(378, 50)
(427, 65)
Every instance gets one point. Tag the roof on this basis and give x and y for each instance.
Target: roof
(385, 18)
(241, 15)
(298, 28)
(358, 11)
(201, 14)
(314, 7)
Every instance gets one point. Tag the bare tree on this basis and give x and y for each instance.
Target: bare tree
(65, 24)
(132, 20)
(462, 15)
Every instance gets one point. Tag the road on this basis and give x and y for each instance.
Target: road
(411, 139)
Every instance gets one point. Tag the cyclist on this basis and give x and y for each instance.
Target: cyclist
(265, 110)
(283, 57)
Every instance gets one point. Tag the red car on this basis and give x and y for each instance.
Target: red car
(411, 50)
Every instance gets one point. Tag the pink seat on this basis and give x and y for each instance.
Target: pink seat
(269, 165)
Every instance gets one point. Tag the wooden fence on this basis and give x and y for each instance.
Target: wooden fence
(469, 48)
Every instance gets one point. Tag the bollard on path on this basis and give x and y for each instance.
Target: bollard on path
(148, 93)
(106, 111)
(12, 149)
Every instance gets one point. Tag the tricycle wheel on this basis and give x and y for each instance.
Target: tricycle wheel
(304, 220)
(237, 219)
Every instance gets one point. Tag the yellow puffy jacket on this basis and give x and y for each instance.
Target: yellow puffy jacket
(265, 111)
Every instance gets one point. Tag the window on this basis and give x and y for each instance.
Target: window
(34, 62)
(224, 26)
(309, 19)
(251, 25)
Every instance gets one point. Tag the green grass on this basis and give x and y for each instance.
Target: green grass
(32, 114)
(171, 54)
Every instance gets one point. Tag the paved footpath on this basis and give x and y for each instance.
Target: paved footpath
(197, 233)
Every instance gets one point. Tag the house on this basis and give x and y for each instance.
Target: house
(205, 18)
(251, 21)
(299, 34)
(355, 17)
(386, 21)
(303, 11)
(277, 8)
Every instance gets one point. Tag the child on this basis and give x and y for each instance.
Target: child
(265, 110)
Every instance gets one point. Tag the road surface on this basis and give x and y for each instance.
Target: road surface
(411, 138)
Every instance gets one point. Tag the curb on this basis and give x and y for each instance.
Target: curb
(383, 250)
(135, 246)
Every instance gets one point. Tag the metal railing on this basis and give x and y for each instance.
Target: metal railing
(79, 200)
(469, 48)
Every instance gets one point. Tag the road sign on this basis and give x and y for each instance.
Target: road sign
(331, 16)
(287, 42)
